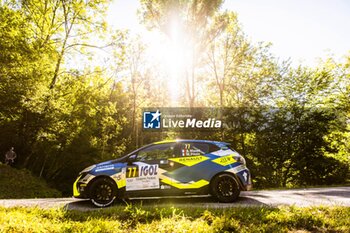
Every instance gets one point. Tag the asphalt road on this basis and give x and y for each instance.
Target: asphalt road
(339, 196)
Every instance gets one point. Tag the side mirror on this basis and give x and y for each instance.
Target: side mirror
(131, 159)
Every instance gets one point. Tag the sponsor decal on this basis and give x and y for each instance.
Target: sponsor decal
(190, 160)
(142, 177)
(225, 160)
(223, 152)
(119, 178)
(104, 168)
(188, 151)
(239, 168)
(245, 175)
(87, 178)
(145, 170)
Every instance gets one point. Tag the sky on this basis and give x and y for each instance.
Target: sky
(302, 30)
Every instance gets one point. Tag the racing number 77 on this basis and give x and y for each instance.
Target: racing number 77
(132, 172)
(186, 151)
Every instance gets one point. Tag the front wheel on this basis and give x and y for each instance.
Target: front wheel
(225, 188)
(103, 192)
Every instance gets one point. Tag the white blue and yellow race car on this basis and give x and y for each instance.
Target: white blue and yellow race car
(167, 168)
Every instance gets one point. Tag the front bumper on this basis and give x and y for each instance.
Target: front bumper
(249, 187)
(80, 188)
(245, 179)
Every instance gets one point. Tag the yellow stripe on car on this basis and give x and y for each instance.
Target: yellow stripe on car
(121, 183)
(190, 160)
(76, 192)
(224, 160)
(165, 141)
(195, 185)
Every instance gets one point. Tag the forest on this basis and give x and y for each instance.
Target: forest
(72, 90)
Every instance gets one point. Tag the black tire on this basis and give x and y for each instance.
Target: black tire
(103, 192)
(225, 188)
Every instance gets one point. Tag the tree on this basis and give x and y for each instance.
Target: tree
(338, 102)
(291, 138)
(228, 55)
(192, 26)
(237, 71)
(57, 126)
(66, 24)
(63, 28)
(24, 70)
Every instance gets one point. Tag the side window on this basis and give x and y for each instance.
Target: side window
(213, 148)
(156, 152)
(194, 148)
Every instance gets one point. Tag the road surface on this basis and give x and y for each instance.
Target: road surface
(298, 197)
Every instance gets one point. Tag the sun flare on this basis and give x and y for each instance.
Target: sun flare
(173, 57)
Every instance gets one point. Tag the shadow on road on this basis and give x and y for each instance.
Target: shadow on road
(331, 193)
(204, 202)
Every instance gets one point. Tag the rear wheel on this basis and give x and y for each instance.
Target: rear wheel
(103, 192)
(225, 188)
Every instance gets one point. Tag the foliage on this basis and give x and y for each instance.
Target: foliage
(191, 26)
(58, 122)
(145, 219)
(64, 106)
(289, 150)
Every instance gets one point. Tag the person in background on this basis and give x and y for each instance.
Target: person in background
(10, 156)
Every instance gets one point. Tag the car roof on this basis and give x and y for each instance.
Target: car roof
(217, 143)
(220, 144)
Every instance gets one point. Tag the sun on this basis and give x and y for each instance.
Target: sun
(170, 52)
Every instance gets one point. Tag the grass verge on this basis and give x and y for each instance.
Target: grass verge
(153, 219)
(20, 183)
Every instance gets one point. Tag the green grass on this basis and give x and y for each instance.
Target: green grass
(20, 183)
(155, 219)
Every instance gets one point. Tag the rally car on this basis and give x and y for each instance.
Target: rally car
(167, 168)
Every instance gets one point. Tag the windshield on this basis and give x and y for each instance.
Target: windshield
(124, 158)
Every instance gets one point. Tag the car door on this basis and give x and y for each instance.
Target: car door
(190, 163)
(144, 174)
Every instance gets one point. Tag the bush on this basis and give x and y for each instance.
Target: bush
(21, 183)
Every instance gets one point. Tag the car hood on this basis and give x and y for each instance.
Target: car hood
(115, 162)
(104, 163)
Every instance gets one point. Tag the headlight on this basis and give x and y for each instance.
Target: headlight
(87, 169)
(240, 159)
